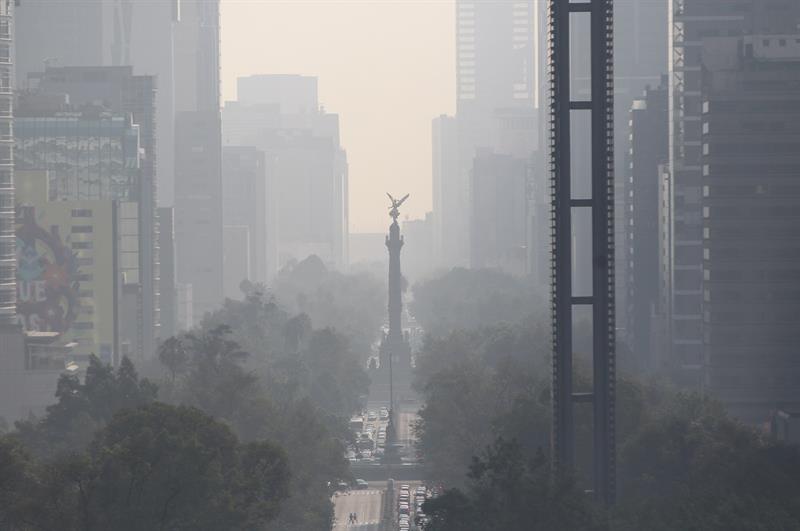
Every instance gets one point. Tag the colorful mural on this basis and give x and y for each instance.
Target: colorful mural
(47, 274)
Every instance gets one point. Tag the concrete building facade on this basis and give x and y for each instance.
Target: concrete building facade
(691, 22)
(649, 144)
(750, 203)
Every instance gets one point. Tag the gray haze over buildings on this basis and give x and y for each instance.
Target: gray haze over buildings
(134, 199)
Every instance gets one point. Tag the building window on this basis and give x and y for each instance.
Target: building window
(81, 213)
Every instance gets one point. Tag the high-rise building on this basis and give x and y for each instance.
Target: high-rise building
(8, 258)
(198, 207)
(168, 287)
(71, 267)
(495, 43)
(640, 59)
(649, 144)
(136, 33)
(496, 86)
(247, 209)
(418, 247)
(114, 90)
(691, 23)
(305, 162)
(198, 153)
(750, 203)
(499, 212)
(449, 195)
(196, 56)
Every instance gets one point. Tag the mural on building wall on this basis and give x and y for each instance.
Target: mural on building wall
(47, 276)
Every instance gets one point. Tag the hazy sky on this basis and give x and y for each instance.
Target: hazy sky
(387, 67)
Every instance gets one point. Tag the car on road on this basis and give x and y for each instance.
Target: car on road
(372, 416)
(361, 484)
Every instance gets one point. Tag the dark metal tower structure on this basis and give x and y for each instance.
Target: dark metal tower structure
(563, 15)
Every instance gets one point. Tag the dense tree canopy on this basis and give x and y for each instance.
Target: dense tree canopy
(84, 407)
(293, 398)
(153, 467)
(353, 304)
(683, 463)
(510, 490)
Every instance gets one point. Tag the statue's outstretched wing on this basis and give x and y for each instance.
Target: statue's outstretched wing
(403, 200)
(394, 203)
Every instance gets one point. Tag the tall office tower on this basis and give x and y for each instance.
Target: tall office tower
(495, 55)
(499, 212)
(305, 161)
(691, 22)
(496, 76)
(649, 145)
(246, 211)
(146, 42)
(449, 194)
(8, 254)
(198, 153)
(118, 90)
(168, 287)
(750, 123)
(640, 60)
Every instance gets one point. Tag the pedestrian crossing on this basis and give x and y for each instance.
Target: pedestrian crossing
(366, 505)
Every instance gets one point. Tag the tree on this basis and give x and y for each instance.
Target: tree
(83, 408)
(153, 467)
(692, 467)
(478, 385)
(165, 467)
(353, 304)
(511, 490)
(218, 380)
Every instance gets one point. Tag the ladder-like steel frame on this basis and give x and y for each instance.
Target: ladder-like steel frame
(600, 105)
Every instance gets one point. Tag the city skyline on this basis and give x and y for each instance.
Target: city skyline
(393, 80)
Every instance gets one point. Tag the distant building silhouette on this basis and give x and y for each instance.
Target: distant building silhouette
(198, 154)
(247, 205)
(306, 165)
